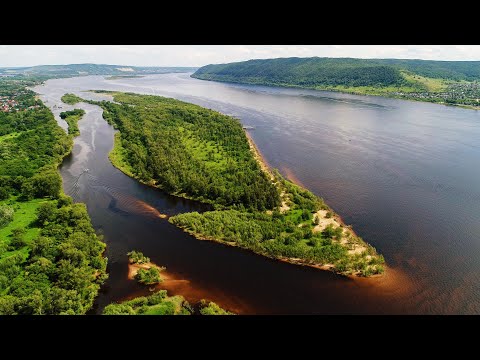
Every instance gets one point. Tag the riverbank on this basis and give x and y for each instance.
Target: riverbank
(323, 218)
(386, 94)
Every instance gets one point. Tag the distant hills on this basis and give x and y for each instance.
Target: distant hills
(90, 69)
(450, 82)
(337, 71)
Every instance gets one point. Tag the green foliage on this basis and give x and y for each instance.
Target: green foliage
(304, 72)
(275, 237)
(280, 235)
(4, 193)
(50, 257)
(118, 309)
(336, 71)
(136, 257)
(210, 308)
(18, 239)
(38, 144)
(72, 117)
(6, 215)
(46, 183)
(161, 304)
(70, 99)
(62, 270)
(203, 154)
(148, 276)
(331, 232)
(156, 304)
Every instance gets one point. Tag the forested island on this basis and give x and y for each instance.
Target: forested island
(72, 118)
(206, 156)
(51, 260)
(70, 99)
(445, 82)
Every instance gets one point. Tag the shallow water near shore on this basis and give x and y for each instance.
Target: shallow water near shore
(404, 174)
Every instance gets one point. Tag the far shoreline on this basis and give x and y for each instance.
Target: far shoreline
(386, 96)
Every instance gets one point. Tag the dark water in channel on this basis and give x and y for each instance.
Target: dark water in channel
(404, 174)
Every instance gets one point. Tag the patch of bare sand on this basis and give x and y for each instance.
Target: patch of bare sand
(259, 157)
(265, 167)
(284, 206)
(349, 238)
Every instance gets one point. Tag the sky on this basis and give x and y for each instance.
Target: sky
(199, 55)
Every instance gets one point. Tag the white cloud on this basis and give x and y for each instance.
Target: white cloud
(198, 55)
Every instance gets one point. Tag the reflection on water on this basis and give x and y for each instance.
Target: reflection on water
(404, 174)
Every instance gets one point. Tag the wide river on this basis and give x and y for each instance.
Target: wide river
(405, 174)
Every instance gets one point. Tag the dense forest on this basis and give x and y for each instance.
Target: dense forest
(447, 82)
(162, 304)
(337, 71)
(50, 258)
(189, 151)
(304, 72)
(201, 154)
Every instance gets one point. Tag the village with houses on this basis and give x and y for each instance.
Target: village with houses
(462, 93)
(14, 97)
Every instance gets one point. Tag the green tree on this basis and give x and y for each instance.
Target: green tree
(148, 276)
(6, 214)
(46, 212)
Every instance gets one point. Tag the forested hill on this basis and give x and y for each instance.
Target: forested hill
(447, 82)
(303, 72)
(336, 71)
(90, 69)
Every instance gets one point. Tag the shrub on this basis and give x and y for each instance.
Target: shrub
(6, 215)
(136, 257)
(4, 194)
(148, 277)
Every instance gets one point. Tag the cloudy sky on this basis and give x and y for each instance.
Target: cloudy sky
(198, 55)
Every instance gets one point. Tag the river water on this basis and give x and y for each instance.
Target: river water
(404, 174)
